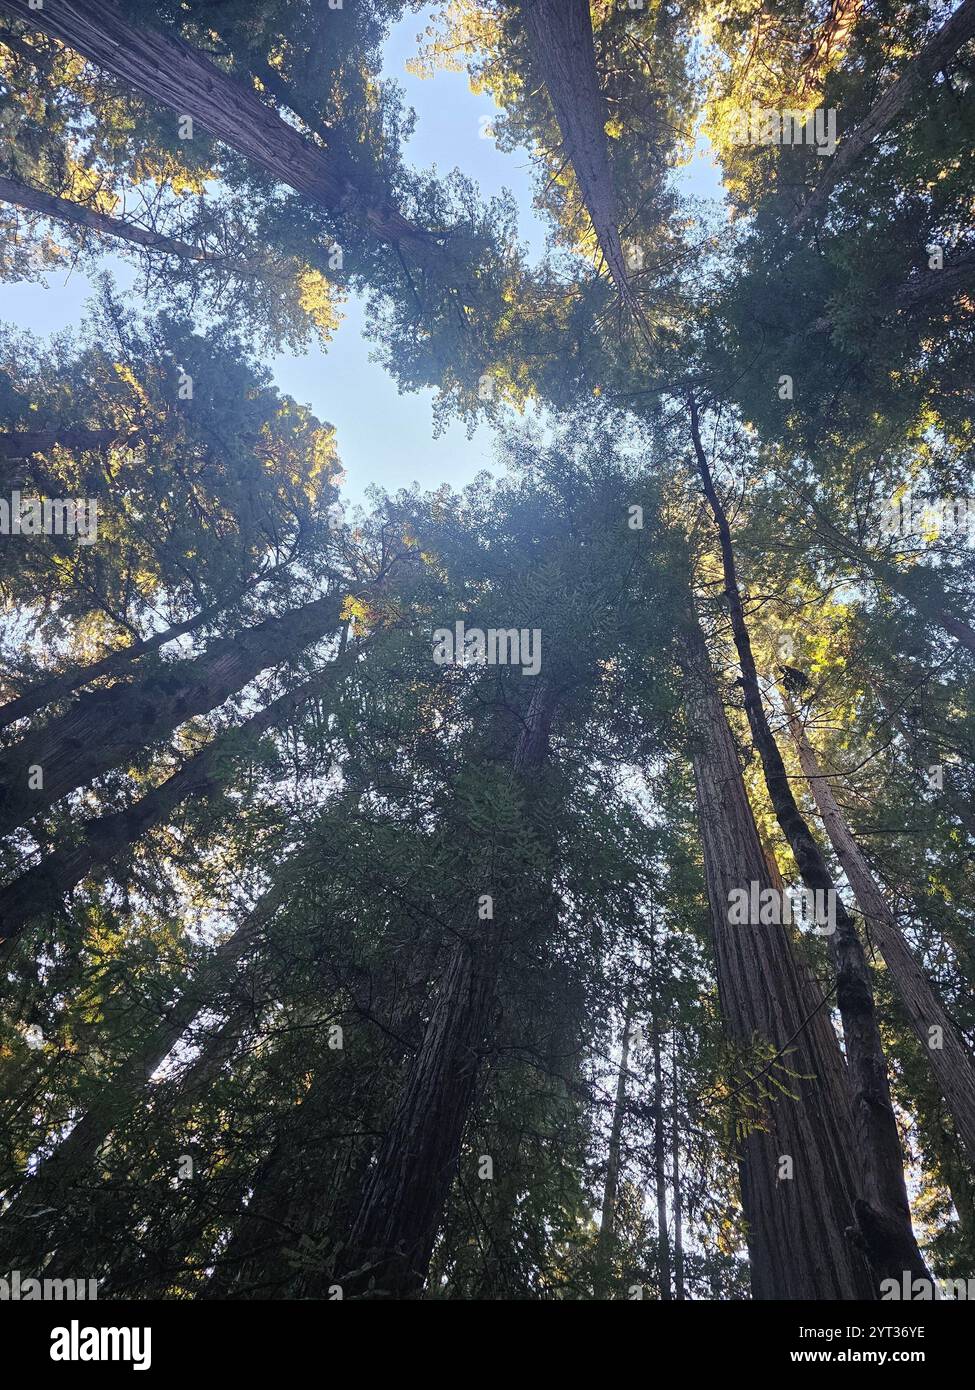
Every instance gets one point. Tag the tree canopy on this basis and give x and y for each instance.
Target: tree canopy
(553, 887)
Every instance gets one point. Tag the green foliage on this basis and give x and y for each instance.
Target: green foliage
(352, 838)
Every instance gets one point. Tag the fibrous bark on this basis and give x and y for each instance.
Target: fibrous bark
(659, 1166)
(678, 1202)
(166, 69)
(947, 1055)
(607, 1225)
(53, 688)
(560, 36)
(882, 1209)
(798, 1229)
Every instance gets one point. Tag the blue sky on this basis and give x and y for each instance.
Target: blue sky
(383, 437)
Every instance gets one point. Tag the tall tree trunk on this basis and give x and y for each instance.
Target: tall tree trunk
(949, 1060)
(607, 1225)
(909, 589)
(910, 586)
(883, 1211)
(169, 1097)
(289, 1193)
(899, 97)
(64, 210)
(395, 1228)
(659, 1161)
(164, 68)
(798, 1229)
(659, 1136)
(560, 37)
(394, 1231)
(42, 887)
(101, 730)
(52, 688)
(25, 1237)
(678, 1203)
(290, 98)
(954, 278)
(284, 1190)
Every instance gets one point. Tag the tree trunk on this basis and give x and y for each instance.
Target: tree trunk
(21, 467)
(254, 1262)
(166, 69)
(883, 1211)
(909, 589)
(798, 1229)
(104, 729)
(902, 95)
(607, 1225)
(53, 688)
(904, 584)
(394, 1231)
(950, 1061)
(675, 1164)
(169, 1097)
(560, 37)
(42, 887)
(50, 689)
(64, 210)
(659, 1165)
(25, 1237)
(957, 276)
(396, 1226)
(290, 1191)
